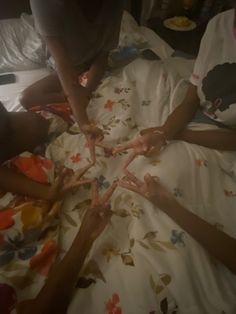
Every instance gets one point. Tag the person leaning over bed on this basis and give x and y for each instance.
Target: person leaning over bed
(79, 35)
(210, 97)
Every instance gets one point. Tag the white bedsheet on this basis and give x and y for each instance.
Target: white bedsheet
(144, 262)
(10, 93)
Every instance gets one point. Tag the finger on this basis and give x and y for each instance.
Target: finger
(91, 147)
(107, 149)
(59, 181)
(99, 137)
(54, 210)
(123, 147)
(129, 186)
(94, 194)
(152, 152)
(108, 194)
(133, 178)
(74, 185)
(103, 145)
(128, 161)
(82, 171)
(149, 179)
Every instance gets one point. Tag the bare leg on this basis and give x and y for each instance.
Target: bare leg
(45, 91)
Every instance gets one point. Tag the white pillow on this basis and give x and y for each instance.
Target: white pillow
(130, 33)
(21, 47)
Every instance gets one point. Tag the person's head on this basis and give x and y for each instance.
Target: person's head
(216, 87)
(233, 2)
(4, 123)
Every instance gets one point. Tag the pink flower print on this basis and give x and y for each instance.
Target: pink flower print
(112, 305)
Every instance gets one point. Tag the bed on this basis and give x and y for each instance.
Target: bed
(144, 262)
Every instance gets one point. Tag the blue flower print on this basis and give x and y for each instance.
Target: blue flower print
(177, 237)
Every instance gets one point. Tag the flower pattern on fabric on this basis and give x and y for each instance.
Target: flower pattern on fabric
(76, 158)
(102, 182)
(43, 261)
(6, 218)
(201, 163)
(177, 238)
(34, 167)
(111, 306)
(109, 105)
(16, 246)
(229, 193)
(28, 243)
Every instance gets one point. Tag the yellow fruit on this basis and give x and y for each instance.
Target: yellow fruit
(181, 21)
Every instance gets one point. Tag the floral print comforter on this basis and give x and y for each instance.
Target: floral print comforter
(144, 263)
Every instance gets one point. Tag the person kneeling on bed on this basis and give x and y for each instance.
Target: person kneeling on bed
(31, 194)
(215, 241)
(79, 35)
(211, 97)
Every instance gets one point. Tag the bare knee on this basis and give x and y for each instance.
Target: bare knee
(28, 98)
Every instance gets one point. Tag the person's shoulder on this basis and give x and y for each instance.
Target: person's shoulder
(221, 18)
(46, 4)
(115, 6)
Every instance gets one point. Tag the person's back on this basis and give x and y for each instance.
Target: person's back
(86, 28)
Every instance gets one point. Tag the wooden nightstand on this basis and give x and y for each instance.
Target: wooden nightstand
(187, 42)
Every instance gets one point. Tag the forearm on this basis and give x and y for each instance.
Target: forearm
(97, 71)
(55, 296)
(69, 80)
(11, 181)
(222, 139)
(182, 115)
(216, 242)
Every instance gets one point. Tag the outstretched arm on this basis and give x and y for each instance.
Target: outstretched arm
(222, 139)
(96, 71)
(12, 181)
(182, 115)
(57, 292)
(75, 93)
(215, 241)
(55, 296)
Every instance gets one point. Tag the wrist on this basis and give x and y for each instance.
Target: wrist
(165, 130)
(161, 134)
(167, 205)
(51, 194)
(84, 239)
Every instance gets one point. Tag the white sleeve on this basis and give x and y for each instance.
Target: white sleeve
(203, 55)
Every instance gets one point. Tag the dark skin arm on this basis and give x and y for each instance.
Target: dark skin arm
(11, 181)
(183, 114)
(150, 141)
(17, 183)
(175, 129)
(96, 71)
(222, 139)
(56, 294)
(215, 241)
(77, 95)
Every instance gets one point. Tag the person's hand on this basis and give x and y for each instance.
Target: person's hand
(93, 135)
(99, 214)
(150, 188)
(147, 143)
(67, 181)
(108, 149)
